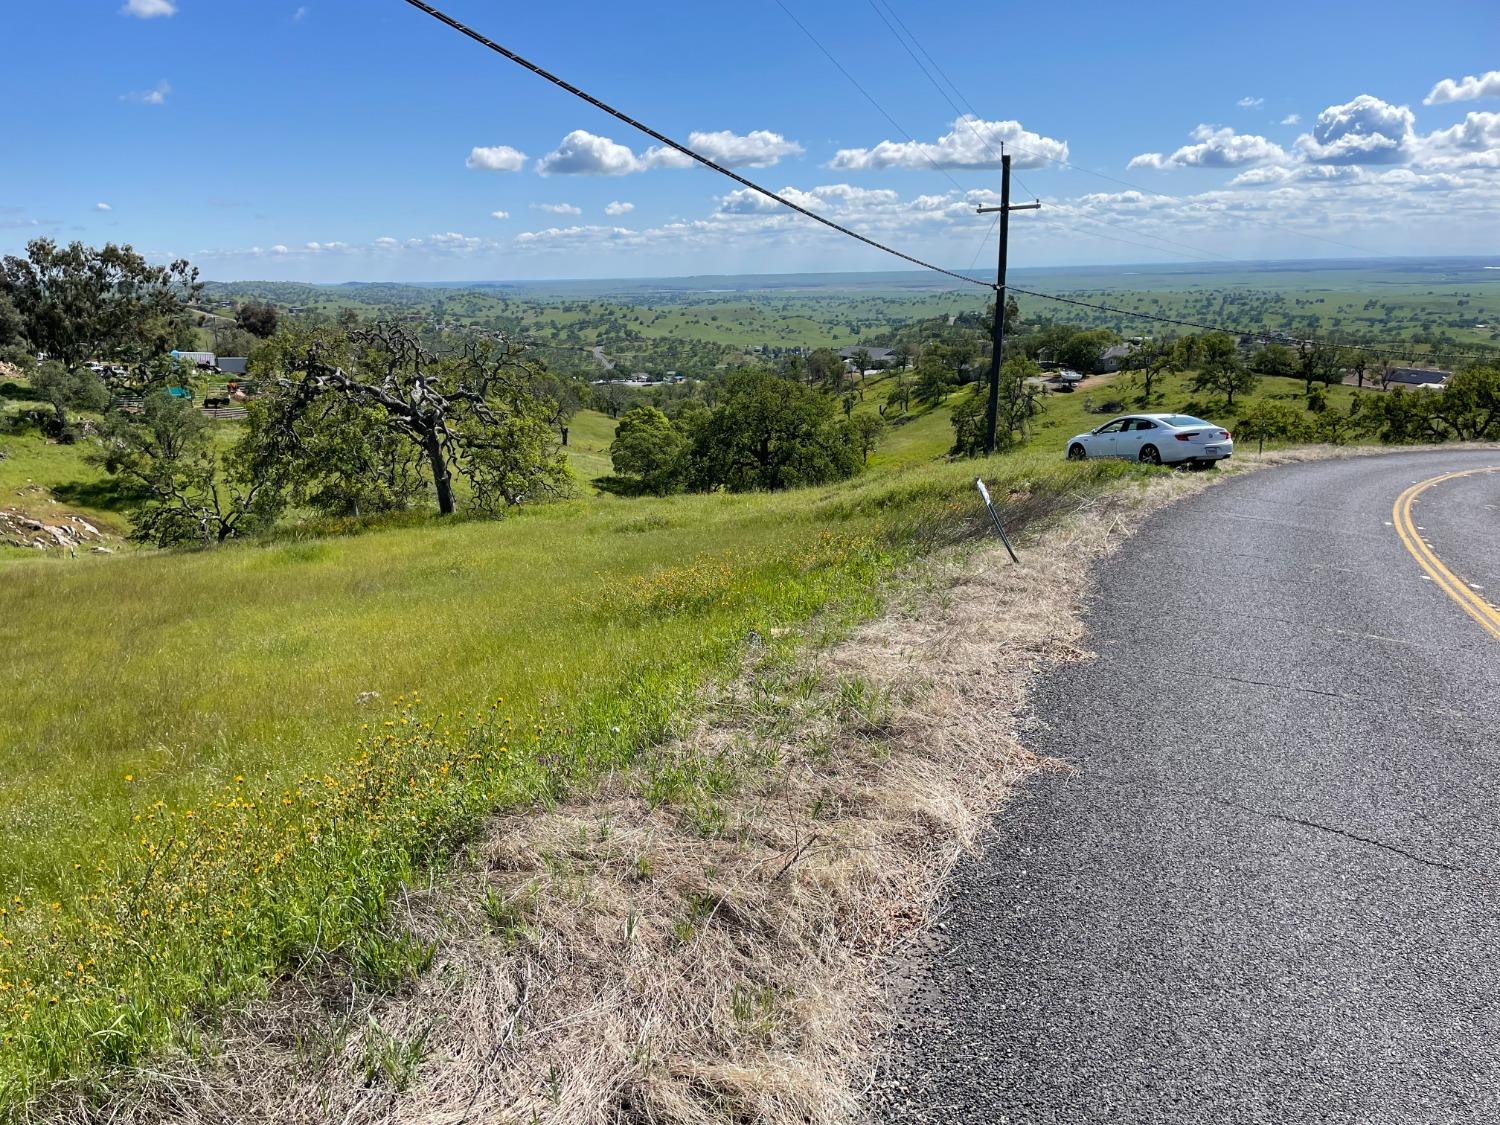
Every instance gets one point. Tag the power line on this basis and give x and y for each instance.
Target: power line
(1262, 335)
(698, 157)
(869, 97)
(1057, 160)
(968, 115)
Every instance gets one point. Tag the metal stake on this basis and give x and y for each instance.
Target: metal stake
(989, 506)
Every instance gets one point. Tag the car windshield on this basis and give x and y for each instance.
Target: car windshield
(1183, 420)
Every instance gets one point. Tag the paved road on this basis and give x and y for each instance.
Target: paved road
(1270, 891)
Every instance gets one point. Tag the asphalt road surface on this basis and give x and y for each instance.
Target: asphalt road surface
(1269, 890)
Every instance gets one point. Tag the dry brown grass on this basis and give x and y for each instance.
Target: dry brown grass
(697, 940)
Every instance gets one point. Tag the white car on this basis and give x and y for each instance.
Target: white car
(1156, 439)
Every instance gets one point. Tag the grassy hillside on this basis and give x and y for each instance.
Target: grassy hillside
(926, 431)
(200, 788)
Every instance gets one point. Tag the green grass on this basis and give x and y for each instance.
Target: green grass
(195, 796)
(41, 477)
(589, 437)
(925, 433)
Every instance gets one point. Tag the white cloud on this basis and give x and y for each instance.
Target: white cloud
(1478, 132)
(499, 214)
(582, 153)
(279, 249)
(1466, 89)
(1250, 103)
(1292, 119)
(157, 95)
(1216, 148)
(387, 243)
(618, 208)
(300, 14)
(499, 158)
(103, 207)
(971, 144)
(557, 208)
(1363, 131)
(758, 149)
(149, 9)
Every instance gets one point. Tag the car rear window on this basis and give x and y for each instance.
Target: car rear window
(1184, 420)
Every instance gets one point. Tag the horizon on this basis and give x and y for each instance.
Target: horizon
(1266, 265)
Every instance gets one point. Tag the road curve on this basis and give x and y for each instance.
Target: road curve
(1269, 890)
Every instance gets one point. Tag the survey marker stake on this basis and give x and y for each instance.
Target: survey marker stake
(989, 506)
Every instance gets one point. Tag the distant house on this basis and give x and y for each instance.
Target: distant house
(877, 356)
(1114, 358)
(197, 359)
(1416, 377)
(234, 365)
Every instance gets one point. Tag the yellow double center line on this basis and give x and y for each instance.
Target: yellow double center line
(1456, 588)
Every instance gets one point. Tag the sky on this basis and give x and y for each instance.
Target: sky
(361, 140)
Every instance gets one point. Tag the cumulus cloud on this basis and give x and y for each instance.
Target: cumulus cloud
(103, 207)
(1363, 131)
(1478, 132)
(497, 158)
(618, 208)
(1292, 119)
(1250, 103)
(1466, 89)
(972, 143)
(1215, 148)
(557, 208)
(499, 214)
(149, 9)
(582, 153)
(758, 149)
(157, 95)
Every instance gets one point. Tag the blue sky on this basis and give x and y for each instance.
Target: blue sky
(337, 140)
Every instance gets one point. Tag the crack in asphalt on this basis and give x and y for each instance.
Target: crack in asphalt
(1332, 831)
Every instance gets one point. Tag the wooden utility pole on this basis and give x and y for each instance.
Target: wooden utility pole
(997, 336)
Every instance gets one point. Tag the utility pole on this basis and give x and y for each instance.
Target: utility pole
(997, 338)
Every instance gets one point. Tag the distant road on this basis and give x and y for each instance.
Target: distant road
(1271, 890)
(604, 360)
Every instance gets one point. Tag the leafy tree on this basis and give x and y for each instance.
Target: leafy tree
(1467, 409)
(258, 318)
(1275, 359)
(649, 448)
(1360, 361)
(192, 496)
(934, 376)
(898, 401)
(1020, 401)
(1219, 368)
(867, 429)
(1149, 362)
(1084, 351)
(81, 303)
(768, 433)
(825, 368)
(337, 456)
(476, 413)
(67, 389)
(1318, 363)
(1272, 419)
(12, 323)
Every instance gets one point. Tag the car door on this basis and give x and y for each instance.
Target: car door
(1128, 444)
(1104, 439)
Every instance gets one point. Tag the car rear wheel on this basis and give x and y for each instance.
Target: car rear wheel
(1150, 455)
(1076, 452)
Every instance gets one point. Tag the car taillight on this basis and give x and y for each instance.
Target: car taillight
(1186, 437)
(1225, 435)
